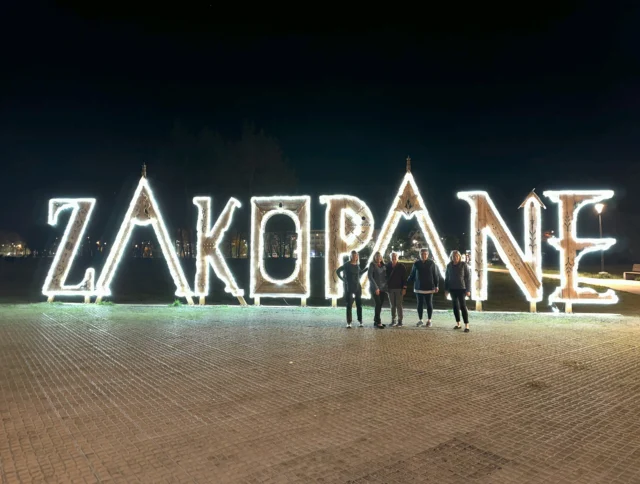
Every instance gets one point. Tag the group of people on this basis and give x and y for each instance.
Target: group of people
(390, 281)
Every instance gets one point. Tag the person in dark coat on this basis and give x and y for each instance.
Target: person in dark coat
(378, 287)
(457, 282)
(425, 276)
(349, 273)
(397, 286)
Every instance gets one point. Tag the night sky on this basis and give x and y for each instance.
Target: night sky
(480, 100)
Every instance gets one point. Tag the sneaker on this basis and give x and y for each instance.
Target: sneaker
(428, 324)
(379, 326)
(393, 323)
(360, 325)
(457, 327)
(466, 330)
(420, 323)
(348, 325)
(399, 325)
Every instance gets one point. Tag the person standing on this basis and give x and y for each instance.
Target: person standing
(349, 273)
(426, 281)
(378, 286)
(457, 282)
(397, 286)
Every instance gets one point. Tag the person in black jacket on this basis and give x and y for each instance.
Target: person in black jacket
(457, 282)
(349, 273)
(426, 281)
(378, 287)
(397, 285)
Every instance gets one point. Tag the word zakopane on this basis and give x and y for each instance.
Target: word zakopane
(349, 225)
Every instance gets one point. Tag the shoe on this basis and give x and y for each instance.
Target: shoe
(393, 323)
(466, 330)
(360, 325)
(348, 325)
(399, 325)
(420, 323)
(428, 324)
(457, 327)
(379, 326)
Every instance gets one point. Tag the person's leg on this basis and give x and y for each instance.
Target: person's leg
(429, 299)
(456, 306)
(393, 302)
(400, 302)
(377, 299)
(420, 299)
(358, 296)
(464, 311)
(348, 298)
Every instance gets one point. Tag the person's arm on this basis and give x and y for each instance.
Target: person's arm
(414, 271)
(447, 279)
(339, 272)
(436, 276)
(404, 276)
(467, 277)
(372, 280)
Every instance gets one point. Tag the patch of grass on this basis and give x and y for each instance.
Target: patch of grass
(105, 303)
(176, 304)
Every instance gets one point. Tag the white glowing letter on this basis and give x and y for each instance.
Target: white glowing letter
(525, 268)
(54, 284)
(208, 248)
(298, 283)
(408, 204)
(143, 210)
(569, 204)
(348, 226)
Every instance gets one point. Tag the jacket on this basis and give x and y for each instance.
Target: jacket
(457, 277)
(396, 278)
(377, 277)
(425, 276)
(350, 274)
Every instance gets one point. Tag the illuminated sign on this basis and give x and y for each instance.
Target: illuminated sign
(349, 225)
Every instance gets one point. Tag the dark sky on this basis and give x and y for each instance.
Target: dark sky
(491, 100)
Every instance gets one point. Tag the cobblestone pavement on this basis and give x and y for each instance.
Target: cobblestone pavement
(268, 395)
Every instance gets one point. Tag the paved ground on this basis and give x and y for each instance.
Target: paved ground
(267, 395)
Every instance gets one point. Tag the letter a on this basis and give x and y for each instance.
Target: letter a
(569, 204)
(143, 210)
(208, 248)
(409, 204)
(54, 284)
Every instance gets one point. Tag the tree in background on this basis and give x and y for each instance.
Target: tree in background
(251, 165)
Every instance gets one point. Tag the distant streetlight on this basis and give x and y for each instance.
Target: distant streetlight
(599, 208)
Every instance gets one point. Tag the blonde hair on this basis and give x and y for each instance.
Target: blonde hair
(375, 257)
(454, 252)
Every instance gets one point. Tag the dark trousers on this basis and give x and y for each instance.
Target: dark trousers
(459, 304)
(422, 299)
(351, 295)
(378, 299)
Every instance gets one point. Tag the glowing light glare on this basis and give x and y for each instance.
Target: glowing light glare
(143, 210)
(599, 207)
(298, 283)
(570, 202)
(81, 211)
(408, 204)
(208, 247)
(348, 226)
(487, 222)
